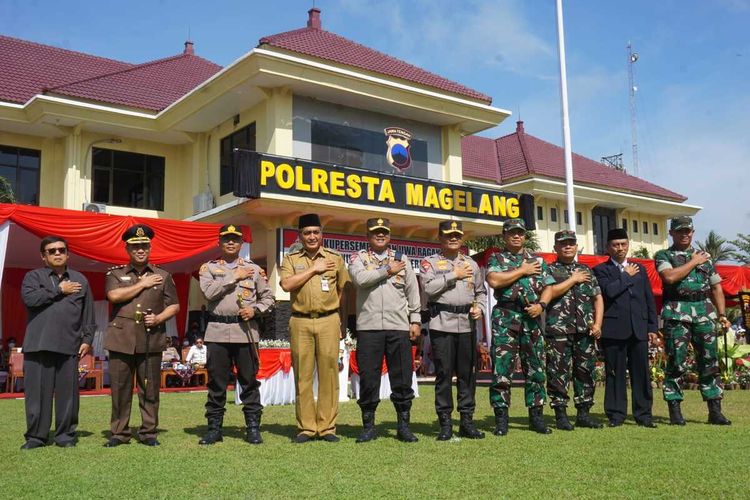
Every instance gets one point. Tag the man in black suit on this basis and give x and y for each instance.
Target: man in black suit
(629, 323)
(60, 329)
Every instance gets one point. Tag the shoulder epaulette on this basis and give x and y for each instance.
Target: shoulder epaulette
(334, 252)
(109, 271)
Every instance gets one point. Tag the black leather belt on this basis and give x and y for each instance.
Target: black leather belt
(314, 315)
(512, 306)
(216, 318)
(436, 307)
(688, 297)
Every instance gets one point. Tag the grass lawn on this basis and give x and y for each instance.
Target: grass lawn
(695, 461)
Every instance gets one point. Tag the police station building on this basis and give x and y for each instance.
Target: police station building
(307, 121)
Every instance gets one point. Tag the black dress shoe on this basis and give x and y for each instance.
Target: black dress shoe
(330, 438)
(301, 438)
(614, 423)
(30, 445)
(150, 442)
(646, 423)
(113, 442)
(66, 444)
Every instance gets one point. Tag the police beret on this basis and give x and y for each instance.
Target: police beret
(451, 226)
(378, 223)
(140, 233)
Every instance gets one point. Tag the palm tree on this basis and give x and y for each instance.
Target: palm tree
(6, 191)
(742, 252)
(483, 242)
(716, 247)
(641, 253)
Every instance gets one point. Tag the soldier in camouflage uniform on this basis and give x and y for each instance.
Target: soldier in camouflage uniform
(692, 298)
(521, 283)
(574, 322)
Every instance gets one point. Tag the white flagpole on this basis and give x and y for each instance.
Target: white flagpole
(565, 121)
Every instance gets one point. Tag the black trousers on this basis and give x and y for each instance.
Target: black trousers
(372, 345)
(47, 376)
(454, 353)
(630, 354)
(219, 360)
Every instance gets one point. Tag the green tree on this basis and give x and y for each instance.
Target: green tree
(6, 191)
(742, 252)
(641, 253)
(716, 246)
(496, 240)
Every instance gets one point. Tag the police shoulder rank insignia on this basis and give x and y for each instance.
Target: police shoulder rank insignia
(204, 268)
(425, 264)
(353, 258)
(398, 154)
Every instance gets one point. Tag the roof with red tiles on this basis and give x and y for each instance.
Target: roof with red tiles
(28, 69)
(519, 155)
(315, 42)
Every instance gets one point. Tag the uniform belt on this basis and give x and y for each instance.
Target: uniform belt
(436, 307)
(687, 297)
(512, 306)
(314, 315)
(217, 318)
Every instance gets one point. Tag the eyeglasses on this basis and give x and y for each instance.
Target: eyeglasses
(56, 250)
(225, 240)
(139, 246)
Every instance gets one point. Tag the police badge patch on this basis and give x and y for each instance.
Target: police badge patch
(398, 142)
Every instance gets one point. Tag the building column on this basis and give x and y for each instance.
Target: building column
(274, 134)
(72, 185)
(451, 147)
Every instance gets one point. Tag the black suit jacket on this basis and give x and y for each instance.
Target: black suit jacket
(629, 307)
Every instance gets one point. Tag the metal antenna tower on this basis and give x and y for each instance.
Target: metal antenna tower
(632, 58)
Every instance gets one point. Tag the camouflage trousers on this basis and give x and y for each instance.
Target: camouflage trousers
(572, 352)
(514, 334)
(677, 336)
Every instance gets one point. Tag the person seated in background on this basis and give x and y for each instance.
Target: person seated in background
(197, 354)
(170, 354)
(193, 333)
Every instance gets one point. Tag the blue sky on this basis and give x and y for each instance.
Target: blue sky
(693, 73)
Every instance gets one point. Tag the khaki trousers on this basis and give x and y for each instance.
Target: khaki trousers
(316, 342)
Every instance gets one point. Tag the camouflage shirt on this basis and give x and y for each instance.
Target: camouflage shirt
(688, 300)
(525, 290)
(573, 311)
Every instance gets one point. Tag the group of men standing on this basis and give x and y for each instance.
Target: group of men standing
(550, 315)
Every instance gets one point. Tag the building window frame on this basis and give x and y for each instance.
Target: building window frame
(27, 162)
(243, 138)
(113, 170)
(539, 212)
(553, 214)
(655, 229)
(644, 227)
(635, 226)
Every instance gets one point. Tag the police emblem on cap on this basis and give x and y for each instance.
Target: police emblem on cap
(230, 229)
(140, 233)
(451, 226)
(399, 148)
(379, 223)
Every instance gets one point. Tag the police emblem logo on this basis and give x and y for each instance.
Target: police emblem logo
(398, 142)
(231, 228)
(454, 226)
(140, 233)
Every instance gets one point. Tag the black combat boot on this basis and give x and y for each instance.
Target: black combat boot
(501, 422)
(583, 418)
(536, 421)
(446, 427)
(675, 413)
(214, 431)
(403, 433)
(715, 416)
(369, 432)
(467, 428)
(252, 421)
(561, 419)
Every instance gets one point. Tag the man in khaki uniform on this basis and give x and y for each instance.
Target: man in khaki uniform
(237, 293)
(387, 318)
(456, 300)
(315, 277)
(143, 298)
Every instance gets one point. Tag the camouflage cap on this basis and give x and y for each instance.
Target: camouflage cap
(565, 235)
(513, 224)
(681, 222)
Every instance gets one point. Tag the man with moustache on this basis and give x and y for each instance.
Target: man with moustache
(388, 318)
(629, 323)
(59, 332)
(456, 300)
(143, 298)
(521, 283)
(315, 277)
(238, 294)
(692, 299)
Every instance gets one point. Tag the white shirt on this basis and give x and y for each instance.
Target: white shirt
(196, 355)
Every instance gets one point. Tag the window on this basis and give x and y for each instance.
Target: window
(565, 216)
(553, 215)
(355, 147)
(20, 167)
(635, 226)
(624, 224)
(645, 227)
(128, 179)
(539, 213)
(243, 138)
(656, 229)
(579, 219)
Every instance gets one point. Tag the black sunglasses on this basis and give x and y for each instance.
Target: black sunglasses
(53, 251)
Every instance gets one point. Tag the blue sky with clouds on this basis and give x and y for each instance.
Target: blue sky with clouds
(693, 73)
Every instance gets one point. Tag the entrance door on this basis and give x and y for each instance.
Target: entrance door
(604, 220)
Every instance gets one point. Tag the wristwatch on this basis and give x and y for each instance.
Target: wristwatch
(543, 305)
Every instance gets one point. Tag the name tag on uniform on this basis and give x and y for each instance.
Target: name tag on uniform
(324, 285)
